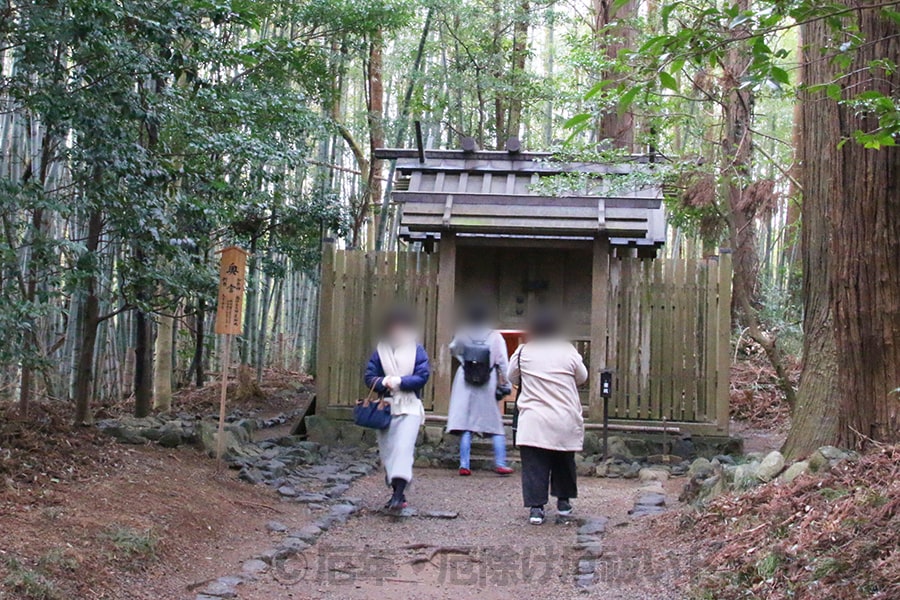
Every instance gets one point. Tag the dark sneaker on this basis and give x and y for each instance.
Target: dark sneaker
(537, 515)
(390, 504)
(563, 507)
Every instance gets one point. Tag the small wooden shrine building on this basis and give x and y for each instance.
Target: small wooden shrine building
(526, 229)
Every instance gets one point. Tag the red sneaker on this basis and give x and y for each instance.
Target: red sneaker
(504, 471)
(464, 472)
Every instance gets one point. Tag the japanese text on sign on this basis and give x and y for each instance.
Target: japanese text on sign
(229, 314)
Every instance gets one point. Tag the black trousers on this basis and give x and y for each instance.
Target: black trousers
(542, 468)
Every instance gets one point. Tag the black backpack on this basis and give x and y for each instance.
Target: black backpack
(476, 362)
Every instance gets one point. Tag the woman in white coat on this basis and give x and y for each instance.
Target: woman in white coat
(474, 395)
(399, 370)
(548, 370)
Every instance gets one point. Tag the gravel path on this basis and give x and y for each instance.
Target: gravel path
(488, 552)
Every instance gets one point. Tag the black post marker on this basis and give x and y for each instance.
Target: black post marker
(605, 393)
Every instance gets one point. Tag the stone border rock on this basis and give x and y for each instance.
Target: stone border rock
(708, 478)
(171, 430)
(628, 455)
(589, 540)
(294, 542)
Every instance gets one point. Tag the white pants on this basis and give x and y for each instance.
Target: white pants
(397, 446)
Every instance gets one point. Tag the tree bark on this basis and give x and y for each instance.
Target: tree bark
(143, 352)
(200, 341)
(143, 364)
(496, 71)
(613, 125)
(90, 320)
(31, 342)
(517, 73)
(737, 159)
(162, 374)
(814, 419)
(864, 210)
(372, 192)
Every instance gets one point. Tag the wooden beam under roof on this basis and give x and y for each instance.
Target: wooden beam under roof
(647, 202)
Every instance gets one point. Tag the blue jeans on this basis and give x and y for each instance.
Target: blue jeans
(465, 449)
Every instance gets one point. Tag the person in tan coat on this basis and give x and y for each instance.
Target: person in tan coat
(548, 370)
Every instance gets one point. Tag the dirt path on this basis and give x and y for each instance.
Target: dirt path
(488, 552)
(148, 524)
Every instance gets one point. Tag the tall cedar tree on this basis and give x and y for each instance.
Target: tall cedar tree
(851, 250)
(863, 208)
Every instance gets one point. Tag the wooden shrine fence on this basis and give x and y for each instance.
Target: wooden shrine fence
(667, 333)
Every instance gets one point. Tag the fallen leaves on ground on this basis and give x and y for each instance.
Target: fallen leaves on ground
(819, 537)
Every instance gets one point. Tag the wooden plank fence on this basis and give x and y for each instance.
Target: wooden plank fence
(667, 332)
(357, 287)
(668, 340)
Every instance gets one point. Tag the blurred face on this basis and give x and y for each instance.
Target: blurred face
(399, 331)
(395, 330)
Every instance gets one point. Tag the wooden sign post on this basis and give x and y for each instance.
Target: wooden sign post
(229, 320)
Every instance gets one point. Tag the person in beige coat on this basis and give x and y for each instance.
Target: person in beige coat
(548, 370)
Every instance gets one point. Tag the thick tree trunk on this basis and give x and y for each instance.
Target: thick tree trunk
(162, 374)
(851, 253)
(737, 159)
(864, 209)
(143, 364)
(372, 192)
(496, 73)
(90, 320)
(143, 351)
(199, 343)
(143, 356)
(519, 58)
(246, 348)
(616, 126)
(265, 302)
(815, 415)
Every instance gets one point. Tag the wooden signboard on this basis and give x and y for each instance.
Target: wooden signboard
(229, 320)
(229, 317)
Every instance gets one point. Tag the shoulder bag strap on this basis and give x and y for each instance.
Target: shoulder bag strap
(371, 395)
(521, 374)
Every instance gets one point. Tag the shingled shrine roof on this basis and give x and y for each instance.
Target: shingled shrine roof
(501, 194)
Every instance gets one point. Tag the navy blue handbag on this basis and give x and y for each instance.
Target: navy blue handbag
(372, 411)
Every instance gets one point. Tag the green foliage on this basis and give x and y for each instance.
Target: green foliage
(181, 126)
(767, 567)
(131, 545)
(829, 566)
(782, 314)
(479, 73)
(57, 558)
(834, 493)
(693, 43)
(30, 584)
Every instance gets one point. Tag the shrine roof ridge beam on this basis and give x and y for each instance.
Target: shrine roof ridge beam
(413, 153)
(517, 166)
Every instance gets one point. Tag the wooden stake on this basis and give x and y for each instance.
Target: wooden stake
(226, 365)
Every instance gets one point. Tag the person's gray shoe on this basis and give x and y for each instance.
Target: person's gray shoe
(537, 515)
